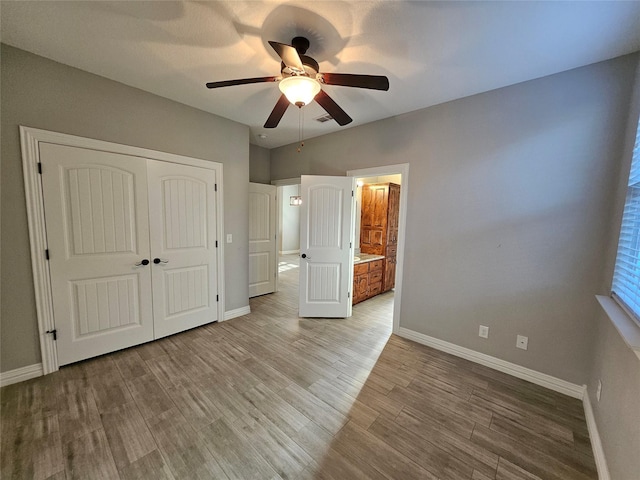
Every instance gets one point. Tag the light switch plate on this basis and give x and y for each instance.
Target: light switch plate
(483, 331)
(229, 237)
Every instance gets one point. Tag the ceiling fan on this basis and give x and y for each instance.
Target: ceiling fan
(301, 82)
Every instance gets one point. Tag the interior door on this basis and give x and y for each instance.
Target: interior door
(326, 246)
(262, 239)
(98, 238)
(182, 206)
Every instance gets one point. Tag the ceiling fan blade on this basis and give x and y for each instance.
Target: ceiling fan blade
(374, 82)
(332, 108)
(242, 81)
(278, 111)
(289, 56)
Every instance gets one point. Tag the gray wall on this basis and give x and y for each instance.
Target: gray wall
(40, 93)
(614, 363)
(509, 196)
(259, 164)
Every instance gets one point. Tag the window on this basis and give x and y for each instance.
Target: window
(626, 277)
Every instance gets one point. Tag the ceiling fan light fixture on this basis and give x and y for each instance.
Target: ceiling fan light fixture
(299, 90)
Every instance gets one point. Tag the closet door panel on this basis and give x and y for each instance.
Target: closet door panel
(97, 232)
(183, 244)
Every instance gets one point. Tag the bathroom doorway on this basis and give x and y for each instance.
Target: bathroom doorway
(289, 260)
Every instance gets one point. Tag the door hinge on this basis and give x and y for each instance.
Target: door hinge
(46, 254)
(352, 193)
(348, 294)
(40, 168)
(54, 332)
(216, 243)
(217, 298)
(215, 187)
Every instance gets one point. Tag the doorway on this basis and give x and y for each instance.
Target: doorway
(394, 174)
(397, 173)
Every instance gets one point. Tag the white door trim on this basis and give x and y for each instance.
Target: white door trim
(30, 138)
(402, 169)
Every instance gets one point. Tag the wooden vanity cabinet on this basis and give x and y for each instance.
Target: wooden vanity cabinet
(379, 226)
(367, 280)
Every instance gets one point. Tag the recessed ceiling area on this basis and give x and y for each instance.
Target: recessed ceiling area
(432, 52)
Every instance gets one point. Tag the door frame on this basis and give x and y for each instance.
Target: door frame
(402, 169)
(30, 138)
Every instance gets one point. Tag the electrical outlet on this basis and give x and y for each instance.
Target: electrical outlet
(229, 237)
(483, 332)
(522, 342)
(599, 390)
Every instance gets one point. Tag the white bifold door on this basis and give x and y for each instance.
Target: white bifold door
(132, 246)
(326, 246)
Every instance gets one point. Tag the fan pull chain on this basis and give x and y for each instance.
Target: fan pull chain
(300, 129)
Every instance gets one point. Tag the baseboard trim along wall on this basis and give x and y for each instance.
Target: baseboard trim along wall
(238, 312)
(594, 436)
(542, 379)
(32, 371)
(21, 374)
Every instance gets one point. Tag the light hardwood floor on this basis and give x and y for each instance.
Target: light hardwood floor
(269, 396)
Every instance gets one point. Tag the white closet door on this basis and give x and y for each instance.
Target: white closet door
(183, 241)
(97, 230)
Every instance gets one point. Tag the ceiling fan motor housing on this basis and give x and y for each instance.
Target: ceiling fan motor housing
(311, 67)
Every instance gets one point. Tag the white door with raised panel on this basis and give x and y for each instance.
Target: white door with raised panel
(96, 209)
(326, 246)
(262, 239)
(183, 246)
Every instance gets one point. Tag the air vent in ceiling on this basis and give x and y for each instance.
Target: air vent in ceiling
(324, 118)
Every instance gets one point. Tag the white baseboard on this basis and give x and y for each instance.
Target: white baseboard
(289, 252)
(21, 374)
(542, 379)
(238, 312)
(594, 436)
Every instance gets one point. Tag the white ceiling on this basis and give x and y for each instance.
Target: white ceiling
(432, 52)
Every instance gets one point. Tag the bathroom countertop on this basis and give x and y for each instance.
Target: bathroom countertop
(366, 257)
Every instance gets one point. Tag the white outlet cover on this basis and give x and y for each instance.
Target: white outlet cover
(229, 237)
(522, 342)
(483, 331)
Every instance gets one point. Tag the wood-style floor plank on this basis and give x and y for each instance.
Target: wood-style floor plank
(89, 456)
(128, 434)
(151, 465)
(272, 396)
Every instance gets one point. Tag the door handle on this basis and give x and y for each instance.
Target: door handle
(304, 255)
(143, 262)
(157, 261)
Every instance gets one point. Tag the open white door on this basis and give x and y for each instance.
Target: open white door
(326, 246)
(262, 239)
